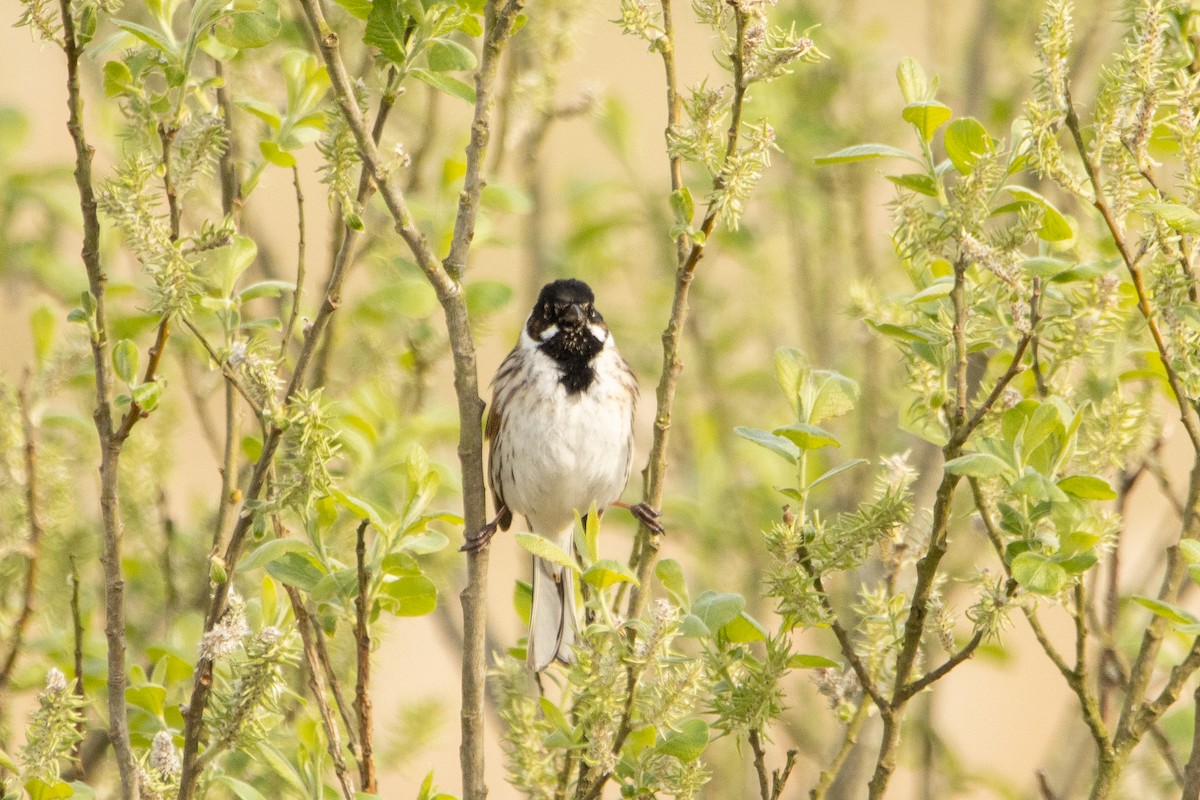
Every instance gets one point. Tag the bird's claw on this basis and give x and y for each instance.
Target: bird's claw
(480, 540)
(646, 515)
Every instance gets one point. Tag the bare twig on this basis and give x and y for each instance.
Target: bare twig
(760, 763)
(290, 329)
(1191, 781)
(33, 546)
(849, 740)
(77, 638)
(362, 690)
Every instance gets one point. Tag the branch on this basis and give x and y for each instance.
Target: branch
(362, 690)
(305, 624)
(829, 774)
(290, 329)
(1191, 773)
(498, 19)
(654, 474)
(110, 449)
(34, 546)
(760, 764)
(77, 638)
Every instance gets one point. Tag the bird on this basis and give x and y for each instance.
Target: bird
(560, 433)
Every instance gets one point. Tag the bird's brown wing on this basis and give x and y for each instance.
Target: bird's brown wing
(495, 419)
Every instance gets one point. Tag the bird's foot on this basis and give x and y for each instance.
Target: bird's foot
(646, 515)
(480, 540)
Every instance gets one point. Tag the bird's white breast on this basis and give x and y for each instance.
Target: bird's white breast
(564, 451)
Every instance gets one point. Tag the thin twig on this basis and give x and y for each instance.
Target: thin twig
(760, 764)
(362, 689)
(33, 546)
(1191, 773)
(849, 740)
(306, 627)
(77, 639)
(290, 329)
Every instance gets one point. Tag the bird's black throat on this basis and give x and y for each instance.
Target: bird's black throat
(573, 350)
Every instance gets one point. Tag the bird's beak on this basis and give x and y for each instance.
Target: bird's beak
(572, 316)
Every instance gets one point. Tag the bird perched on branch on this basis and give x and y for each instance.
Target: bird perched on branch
(561, 433)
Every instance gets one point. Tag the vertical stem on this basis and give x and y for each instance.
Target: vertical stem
(362, 692)
(33, 520)
(110, 448)
(77, 637)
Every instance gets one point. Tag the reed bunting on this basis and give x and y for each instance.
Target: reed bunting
(561, 434)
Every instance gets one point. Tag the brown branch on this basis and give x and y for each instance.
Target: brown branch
(1191, 780)
(362, 690)
(77, 638)
(760, 764)
(654, 474)
(110, 448)
(34, 544)
(830, 773)
(498, 25)
(306, 627)
(290, 329)
(779, 777)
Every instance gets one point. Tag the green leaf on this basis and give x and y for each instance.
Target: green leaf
(359, 508)
(926, 116)
(267, 552)
(445, 83)
(151, 698)
(1178, 616)
(150, 37)
(39, 789)
(1088, 487)
(81, 791)
(687, 743)
(807, 437)
(424, 543)
(1055, 227)
(683, 206)
(916, 181)
(864, 152)
(791, 369)
(410, 596)
(507, 198)
(1038, 573)
(1176, 216)
(249, 29)
(801, 661)
(715, 610)
(1046, 266)
(447, 55)
(744, 629)
(935, 291)
(901, 333)
(1190, 549)
(147, 395)
(965, 141)
(838, 470)
(118, 80)
(670, 575)
(296, 570)
(272, 152)
(523, 600)
(912, 81)
(7, 763)
(977, 465)
(125, 358)
(776, 444)
(386, 30)
(240, 789)
(360, 9)
(272, 288)
(543, 548)
(833, 395)
(590, 523)
(42, 324)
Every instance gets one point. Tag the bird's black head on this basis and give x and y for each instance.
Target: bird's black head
(569, 329)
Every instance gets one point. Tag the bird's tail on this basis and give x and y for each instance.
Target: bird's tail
(552, 617)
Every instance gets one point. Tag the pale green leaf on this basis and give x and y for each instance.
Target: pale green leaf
(543, 548)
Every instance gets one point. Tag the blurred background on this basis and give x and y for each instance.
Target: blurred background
(579, 187)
